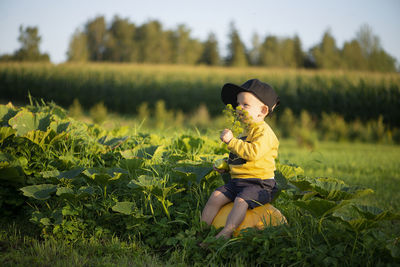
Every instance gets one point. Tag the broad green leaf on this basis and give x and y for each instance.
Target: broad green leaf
(132, 164)
(65, 192)
(6, 132)
(113, 142)
(6, 113)
(100, 178)
(86, 191)
(71, 174)
(36, 217)
(125, 207)
(40, 137)
(318, 207)
(360, 217)
(374, 213)
(147, 152)
(59, 112)
(199, 171)
(289, 171)
(158, 153)
(308, 195)
(128, 154)
(59, 126)
(43, 121)
(25, 121)
(69, 211)
(40, 192)
(50, 174)
(104, 175)
(145, 182)
(334, 189)
(57, 216)
(303, 183)
(188, 143)
(353, 221)
(45, 221)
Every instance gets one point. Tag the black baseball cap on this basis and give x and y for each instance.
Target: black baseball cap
(262, 91)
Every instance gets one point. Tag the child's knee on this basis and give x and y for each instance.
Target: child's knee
(217, 197)
(241, 202)
(216, 194)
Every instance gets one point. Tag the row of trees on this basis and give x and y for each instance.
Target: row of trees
(29, 39)
(123, 41)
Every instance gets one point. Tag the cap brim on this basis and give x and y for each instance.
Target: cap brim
(229, 93)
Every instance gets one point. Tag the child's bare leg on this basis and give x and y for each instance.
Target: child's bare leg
(214, 204)
(235, 218)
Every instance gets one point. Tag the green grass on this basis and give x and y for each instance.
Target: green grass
(25, 249)
(375, 166)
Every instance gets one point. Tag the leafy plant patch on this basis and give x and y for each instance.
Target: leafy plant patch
(79, 181)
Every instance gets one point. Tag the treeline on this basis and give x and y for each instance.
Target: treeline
(124, 41)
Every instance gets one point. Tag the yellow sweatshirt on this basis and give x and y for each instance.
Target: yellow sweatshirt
(253, 156)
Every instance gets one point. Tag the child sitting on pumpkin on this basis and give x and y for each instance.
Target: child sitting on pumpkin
(252, 157)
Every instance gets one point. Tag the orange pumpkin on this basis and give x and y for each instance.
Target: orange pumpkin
(258, 217)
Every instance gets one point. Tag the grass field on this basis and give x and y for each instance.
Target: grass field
(372, 165)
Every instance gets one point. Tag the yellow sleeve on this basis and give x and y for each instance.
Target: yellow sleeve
(253, 149)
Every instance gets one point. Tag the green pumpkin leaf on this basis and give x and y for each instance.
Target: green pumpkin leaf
(289, 170)
(199, 171)
(6, 113)
(65, 192)
(303, 183)
(147, 152)
(318, 207)
(6, 132)
(86, 191)
(334, 189)
(113, 142)
(71, 174)
(374, 213)
(25, 121)
(145, 182)
(40, 192)
(126, 207)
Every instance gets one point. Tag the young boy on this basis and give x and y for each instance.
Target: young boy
(251, 159)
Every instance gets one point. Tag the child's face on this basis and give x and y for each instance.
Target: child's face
(255, 109)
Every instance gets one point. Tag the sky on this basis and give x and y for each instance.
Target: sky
(309, 19)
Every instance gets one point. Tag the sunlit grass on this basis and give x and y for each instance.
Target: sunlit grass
(375, 166)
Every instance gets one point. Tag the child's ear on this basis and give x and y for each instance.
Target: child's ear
(264, 110)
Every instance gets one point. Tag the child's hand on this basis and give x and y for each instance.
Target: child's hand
(220, 171)
(221, 166)
(226, 136)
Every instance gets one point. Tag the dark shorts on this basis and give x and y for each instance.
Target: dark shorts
(254, 191)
